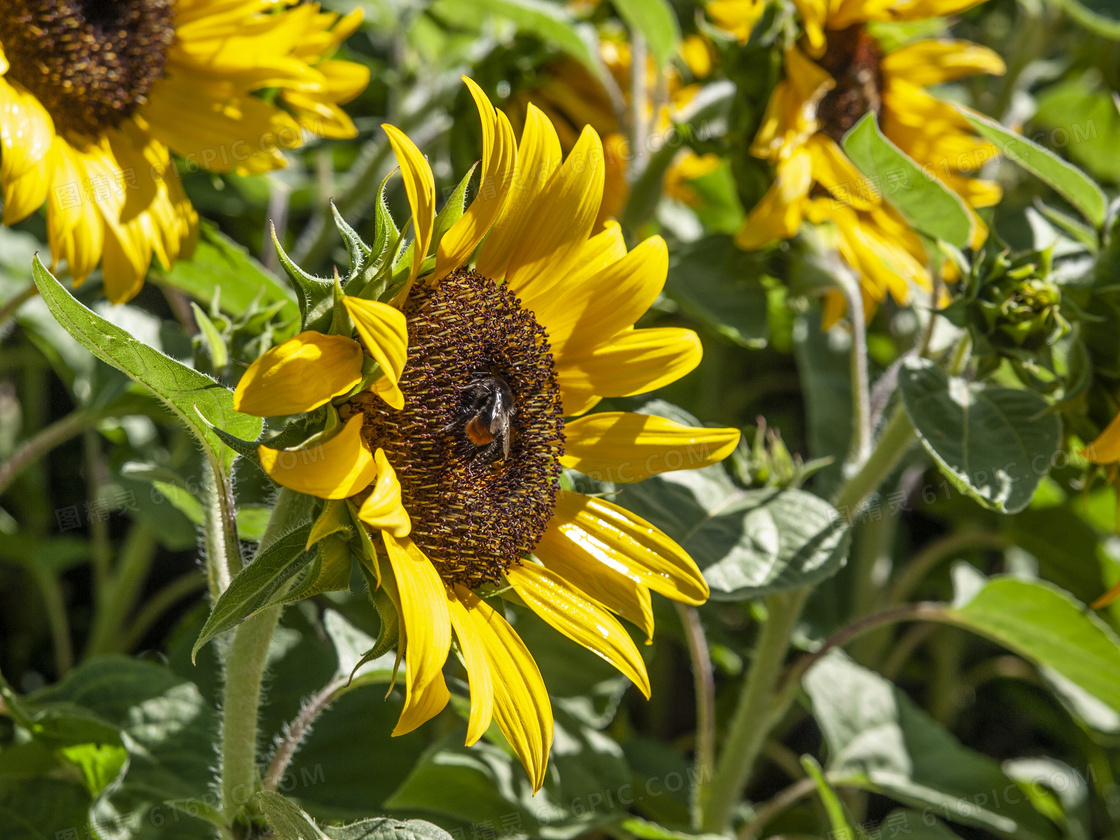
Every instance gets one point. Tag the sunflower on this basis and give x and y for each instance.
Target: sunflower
(835, 74)
(95, 97)
(453, 455)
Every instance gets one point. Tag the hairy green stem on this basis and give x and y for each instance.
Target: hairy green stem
(244, 673)
(223, 549)
(893, 443)
(861, 388)
(754, 716)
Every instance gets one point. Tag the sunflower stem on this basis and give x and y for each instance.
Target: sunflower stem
(754, 716)
(704, 685)
(762, 704)
(244, 672)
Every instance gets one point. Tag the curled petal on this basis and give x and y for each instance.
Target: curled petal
(420, 186)
(334, 469)
(300, 375)
(384, 332)
(383, 509)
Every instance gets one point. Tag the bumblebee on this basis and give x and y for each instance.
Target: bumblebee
(487, 416)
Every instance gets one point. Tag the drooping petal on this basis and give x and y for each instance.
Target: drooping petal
(580, 619)
(833, 170)
(538, 156)
(1106, 448)
(590, 531)
(427, 626)
(334, 469)
(75, 229)
(778, 215)
(626, 447)
(615, 591)
(420, 187)
(632, 362)
(383, 330)
(303, 373)
(931, 62)
(26, 130)
(478, 669)
(521, 705)
(499, 159)
(382, 509)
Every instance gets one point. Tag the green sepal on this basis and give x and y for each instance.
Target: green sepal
(315, 295)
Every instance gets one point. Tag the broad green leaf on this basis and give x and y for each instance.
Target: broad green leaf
(995, 444)
(548, 21)
(1073, 184)
(258, 585)
(43, 808)
(220, 263)
(645, 830)
(879, 740)
(287, 820)
(923, 200)
(1100, 16)
(169, 729)
(383, 828)
(1048, 627)
(749, 543)
(177, 386)
(915, 826)
(657, 21)
(720, 285)
(1080, 117)
(485, 783)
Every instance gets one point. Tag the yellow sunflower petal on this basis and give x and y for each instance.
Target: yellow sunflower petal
(735, 16)
(427, 626)
(632, 362)
(834, 171)
(383, 509)
(580, 619)
(590, 531)
(922, 9)
(75, 229)
(478, 669)
(521, 705)
(384, 331)
(499, 158)
(613, 590)
(1106, 448)
(778, 215)
(612, 299)
(538, 156)
(625, 447)
(931, 62)
(25, 193)
(300, 375)
(26, 130)
(420, 186)
(559, 222)
(814, 16)
(335, 469)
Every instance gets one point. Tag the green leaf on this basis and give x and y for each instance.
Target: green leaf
(168, 729)
(879, 740)
(179, 387)
(288, 821)
(994, 444)
(749, 543)
(259, 585)
(657, 21)
(219, 355)
(922, 199)
(837, 816)
(548, 21)
(1080, 117)
(720, 285)
(383, 828)
(219, 263)
(1069, 181)
(1045, 625)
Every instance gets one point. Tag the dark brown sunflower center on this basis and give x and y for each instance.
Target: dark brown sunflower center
(90, 62)
(853, 59)
(476, 447)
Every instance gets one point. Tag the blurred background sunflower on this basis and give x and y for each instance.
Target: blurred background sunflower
(96, 97)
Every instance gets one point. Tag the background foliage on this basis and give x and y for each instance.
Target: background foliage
(898, 641)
